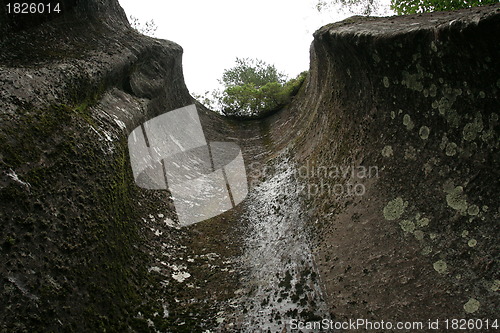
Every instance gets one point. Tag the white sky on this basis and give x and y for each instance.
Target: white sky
(213, 33)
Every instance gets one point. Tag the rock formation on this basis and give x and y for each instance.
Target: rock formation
(372, 195)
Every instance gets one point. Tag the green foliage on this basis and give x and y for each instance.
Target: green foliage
(251, 100)
(403, 7)
(421, 6)
(251, 71)
(252, 89)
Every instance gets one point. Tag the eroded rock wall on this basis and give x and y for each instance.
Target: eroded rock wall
(74, 252)
(412, 101)
(15, 18)
(415, 101)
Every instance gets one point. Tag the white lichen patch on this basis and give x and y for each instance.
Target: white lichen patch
(494, 117)
(457, 199)
(424, 132)
(386, 81)
(473, 210)
(488, 135)
(433, 46)
(472, 242)
(426, 250)
(444, 142)
(468, 132)
(419, 235)
(210, 256)
(472, 305)
(429, 165)
(407, 226)
(453, 118)
(472, 129)
(410, 153)
(427, 168)
(440, 266)
(170, 223)
(387, 151)
(395, 208)
(451, 149)
(422, 222)
(408, 122)
(442, 105)
(180, 276)
(433, 91)
(155, 269)
(495, 285)
(412, 81)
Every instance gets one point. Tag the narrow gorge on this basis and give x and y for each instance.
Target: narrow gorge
(372, 195)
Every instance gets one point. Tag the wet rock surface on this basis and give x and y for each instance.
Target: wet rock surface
(372, 195)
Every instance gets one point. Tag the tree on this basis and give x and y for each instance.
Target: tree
(421, 6)
(147, 28)
(403, 7)
(251, 71)
(252, 89)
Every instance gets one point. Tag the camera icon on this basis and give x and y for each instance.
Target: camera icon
(170, 152)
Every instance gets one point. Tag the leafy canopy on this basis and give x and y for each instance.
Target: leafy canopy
(252, 89)
(251, 71)
(404, 7)
(421, 6)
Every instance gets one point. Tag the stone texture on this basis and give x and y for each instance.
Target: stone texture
(84, 249)
(376, 82)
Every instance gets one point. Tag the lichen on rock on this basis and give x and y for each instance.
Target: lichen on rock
(472, 305)
(394, 208)
(408, 122)
(387, 151)
(424, 132)
(457, 199)
(440, 266)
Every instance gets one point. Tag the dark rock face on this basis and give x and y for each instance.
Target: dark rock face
(74, 257)
(372, 195)
(67, 10)
(416, 97)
